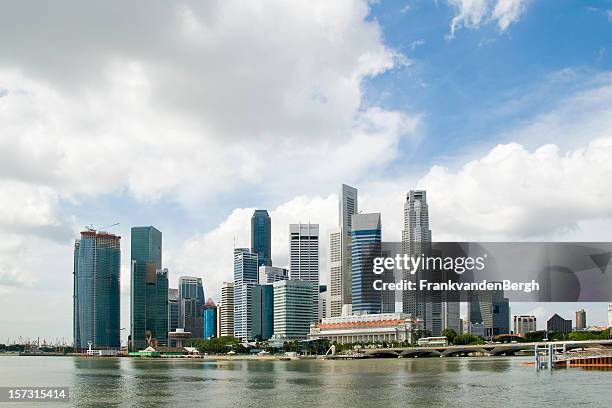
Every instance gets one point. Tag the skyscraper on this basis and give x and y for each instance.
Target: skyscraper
(335, 273)
(524, 324)
(173, 310)
(491, 309)
(304, 259)
(581, 322)
(261, 237)
(365, 246)
(323, 302)
(227, 309)
(149, 289)
(245, 277)
(191, 295)
(416, 240)
(96, 300)
(219, 312)
(292, 309)
(348, 206)
(210, 319)
(262, 310)
(271, 274)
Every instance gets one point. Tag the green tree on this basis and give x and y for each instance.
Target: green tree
(450, 334)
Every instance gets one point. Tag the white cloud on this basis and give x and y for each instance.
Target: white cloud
(190, 108)
(474, 13)
(514, 193)
(210, 256)
(187, 104)
(507, 12)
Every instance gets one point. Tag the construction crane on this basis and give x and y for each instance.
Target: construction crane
(91, 227)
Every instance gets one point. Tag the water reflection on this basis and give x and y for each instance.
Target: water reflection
(98, 381)
(403, 382)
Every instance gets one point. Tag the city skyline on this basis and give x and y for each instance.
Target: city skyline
(509, 134)
(146, 246)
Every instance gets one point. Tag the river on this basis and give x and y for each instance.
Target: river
(422, 382)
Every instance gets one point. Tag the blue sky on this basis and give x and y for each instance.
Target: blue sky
(469, 86)
(187, 116)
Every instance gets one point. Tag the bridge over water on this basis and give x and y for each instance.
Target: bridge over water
(487, 349)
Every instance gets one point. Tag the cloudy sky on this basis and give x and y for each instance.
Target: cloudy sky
(189, 115)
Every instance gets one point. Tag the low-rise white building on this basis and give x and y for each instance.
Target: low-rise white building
(367, 328)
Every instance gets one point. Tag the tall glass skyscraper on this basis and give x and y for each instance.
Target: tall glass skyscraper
(173, 310)
(304, 259)
(96, 300)
(262, 311)
(261, 237)
(349, 205)
(210, 319)
(245, 277)
(416, 240)
(191, 294)
(365, 246)
(149, 289)
(491, 309)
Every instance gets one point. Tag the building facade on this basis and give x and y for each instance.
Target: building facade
(370, 328)
(191, 295)
(245, 277)
(416, 240)
(148, 289)
(210, 319)
(261, 237)
(304, 259)
(557, 324)
(349, 205)
(174, 310)
(323, 302)
(581, 322)
(334, 263)
(609, 314)
(491, 309)
(271, 274)
(262, 310)
(96, 297)
(524, 324)
(292, 309)
(366, 239)
(219, 310)
(227, 309)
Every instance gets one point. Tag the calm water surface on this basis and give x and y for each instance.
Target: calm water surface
(425, 382)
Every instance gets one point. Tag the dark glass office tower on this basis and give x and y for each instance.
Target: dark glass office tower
(149, 289)
(97, 265)
(261, 237)
(491, 309)
(262, 312)
(173, 310)
(191, 295)
(366, 237)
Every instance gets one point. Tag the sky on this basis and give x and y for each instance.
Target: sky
(188, 115)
